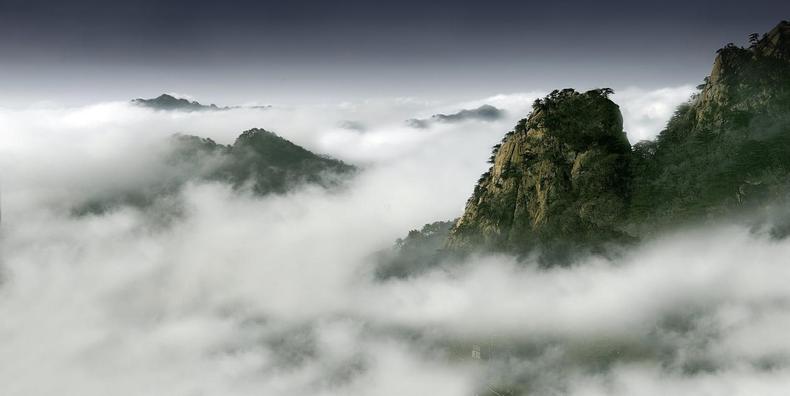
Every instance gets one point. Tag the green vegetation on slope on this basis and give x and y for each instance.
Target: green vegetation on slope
(729, 147)
(419, 251)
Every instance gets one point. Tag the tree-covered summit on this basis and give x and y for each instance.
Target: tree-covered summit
(559, 178)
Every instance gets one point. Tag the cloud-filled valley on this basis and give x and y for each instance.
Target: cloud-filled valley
(216, 291)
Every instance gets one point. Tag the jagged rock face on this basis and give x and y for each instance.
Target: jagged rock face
(562, 171)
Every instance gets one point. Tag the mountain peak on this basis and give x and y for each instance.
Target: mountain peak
(562, 168)
(776, 42)
(257, 133)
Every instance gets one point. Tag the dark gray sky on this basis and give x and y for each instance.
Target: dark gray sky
(306, 51)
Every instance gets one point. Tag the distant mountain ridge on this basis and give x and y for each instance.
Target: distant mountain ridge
(261, 160)
(485, 113)
(258, 161)
(168, 102)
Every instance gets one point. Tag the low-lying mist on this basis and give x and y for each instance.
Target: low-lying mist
(238, 294)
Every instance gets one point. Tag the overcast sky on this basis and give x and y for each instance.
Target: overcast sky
(231, 52)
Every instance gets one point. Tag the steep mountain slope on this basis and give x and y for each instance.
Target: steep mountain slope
(559, 177)
(729, 147)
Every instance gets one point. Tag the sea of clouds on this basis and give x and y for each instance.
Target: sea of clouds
(241, 295)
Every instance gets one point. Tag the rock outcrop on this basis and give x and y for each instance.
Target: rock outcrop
(560, 176)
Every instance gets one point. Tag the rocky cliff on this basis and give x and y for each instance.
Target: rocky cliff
(566, 176)
(561, 172)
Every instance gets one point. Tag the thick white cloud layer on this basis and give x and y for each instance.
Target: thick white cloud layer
(240, 295)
